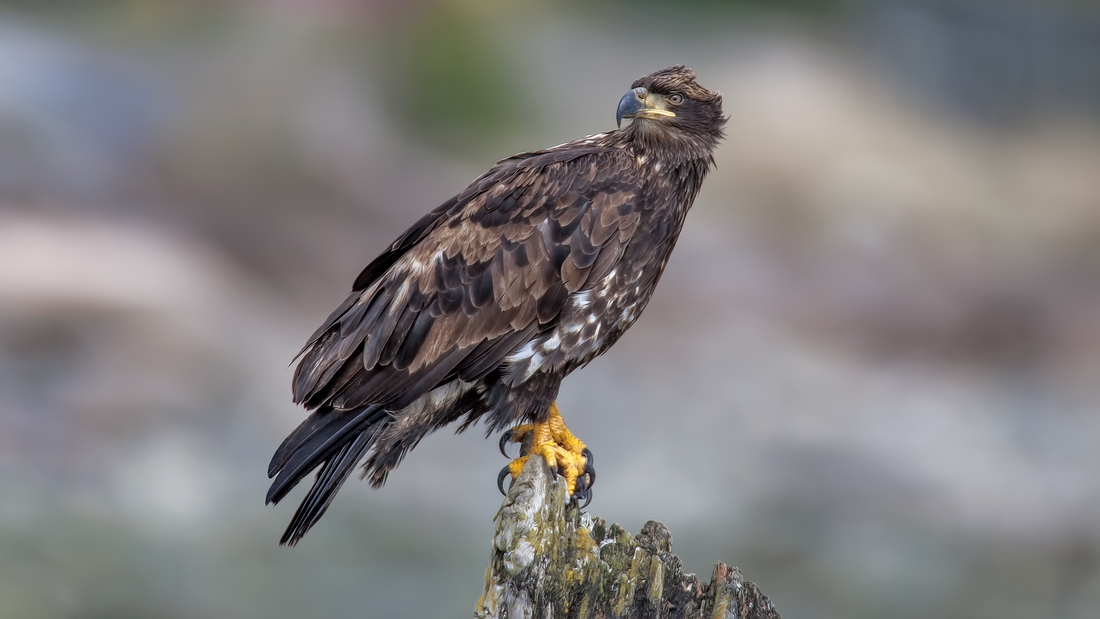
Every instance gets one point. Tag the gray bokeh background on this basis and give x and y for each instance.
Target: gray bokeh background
(870, 376)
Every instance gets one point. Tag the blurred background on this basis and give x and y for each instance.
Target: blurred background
(870, 376)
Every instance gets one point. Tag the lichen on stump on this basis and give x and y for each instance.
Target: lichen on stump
(550, 560)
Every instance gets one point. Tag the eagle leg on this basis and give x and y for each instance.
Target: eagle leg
(564, 453)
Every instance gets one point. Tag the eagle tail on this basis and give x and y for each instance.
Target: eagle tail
(332, 439)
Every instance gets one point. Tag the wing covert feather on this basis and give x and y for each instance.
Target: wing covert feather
(474, 280)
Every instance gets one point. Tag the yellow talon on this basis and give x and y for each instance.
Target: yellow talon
(563, 452)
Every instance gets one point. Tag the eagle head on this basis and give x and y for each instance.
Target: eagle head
(671, 109)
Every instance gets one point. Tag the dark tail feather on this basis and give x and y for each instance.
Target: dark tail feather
(315, 423)
(332, 475)
(319, 436)
(332, 438)
(322, 424)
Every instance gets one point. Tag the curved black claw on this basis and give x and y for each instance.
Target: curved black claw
(583, 492)
(504, 472)
(589, 467)
(505, 438)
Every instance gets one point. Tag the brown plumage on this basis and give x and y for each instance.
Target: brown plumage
(481, 308)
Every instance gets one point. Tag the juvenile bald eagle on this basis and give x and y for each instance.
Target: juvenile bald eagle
(481, 308)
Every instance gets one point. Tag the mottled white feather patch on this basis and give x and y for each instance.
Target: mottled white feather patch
(530, 356)
(533, 365)
(422, 408)
(552, 342)
(582, 299)
(525, 352)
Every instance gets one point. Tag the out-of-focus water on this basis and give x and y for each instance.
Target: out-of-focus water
(868, 378)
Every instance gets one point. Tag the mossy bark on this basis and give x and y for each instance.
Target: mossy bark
(550, 560)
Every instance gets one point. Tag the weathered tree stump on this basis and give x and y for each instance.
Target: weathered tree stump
(550, 560)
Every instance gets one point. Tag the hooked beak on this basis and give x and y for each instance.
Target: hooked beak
(639, 103)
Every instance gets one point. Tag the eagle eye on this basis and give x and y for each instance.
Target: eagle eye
(676, 99)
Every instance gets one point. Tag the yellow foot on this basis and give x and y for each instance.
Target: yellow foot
(565, 453)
